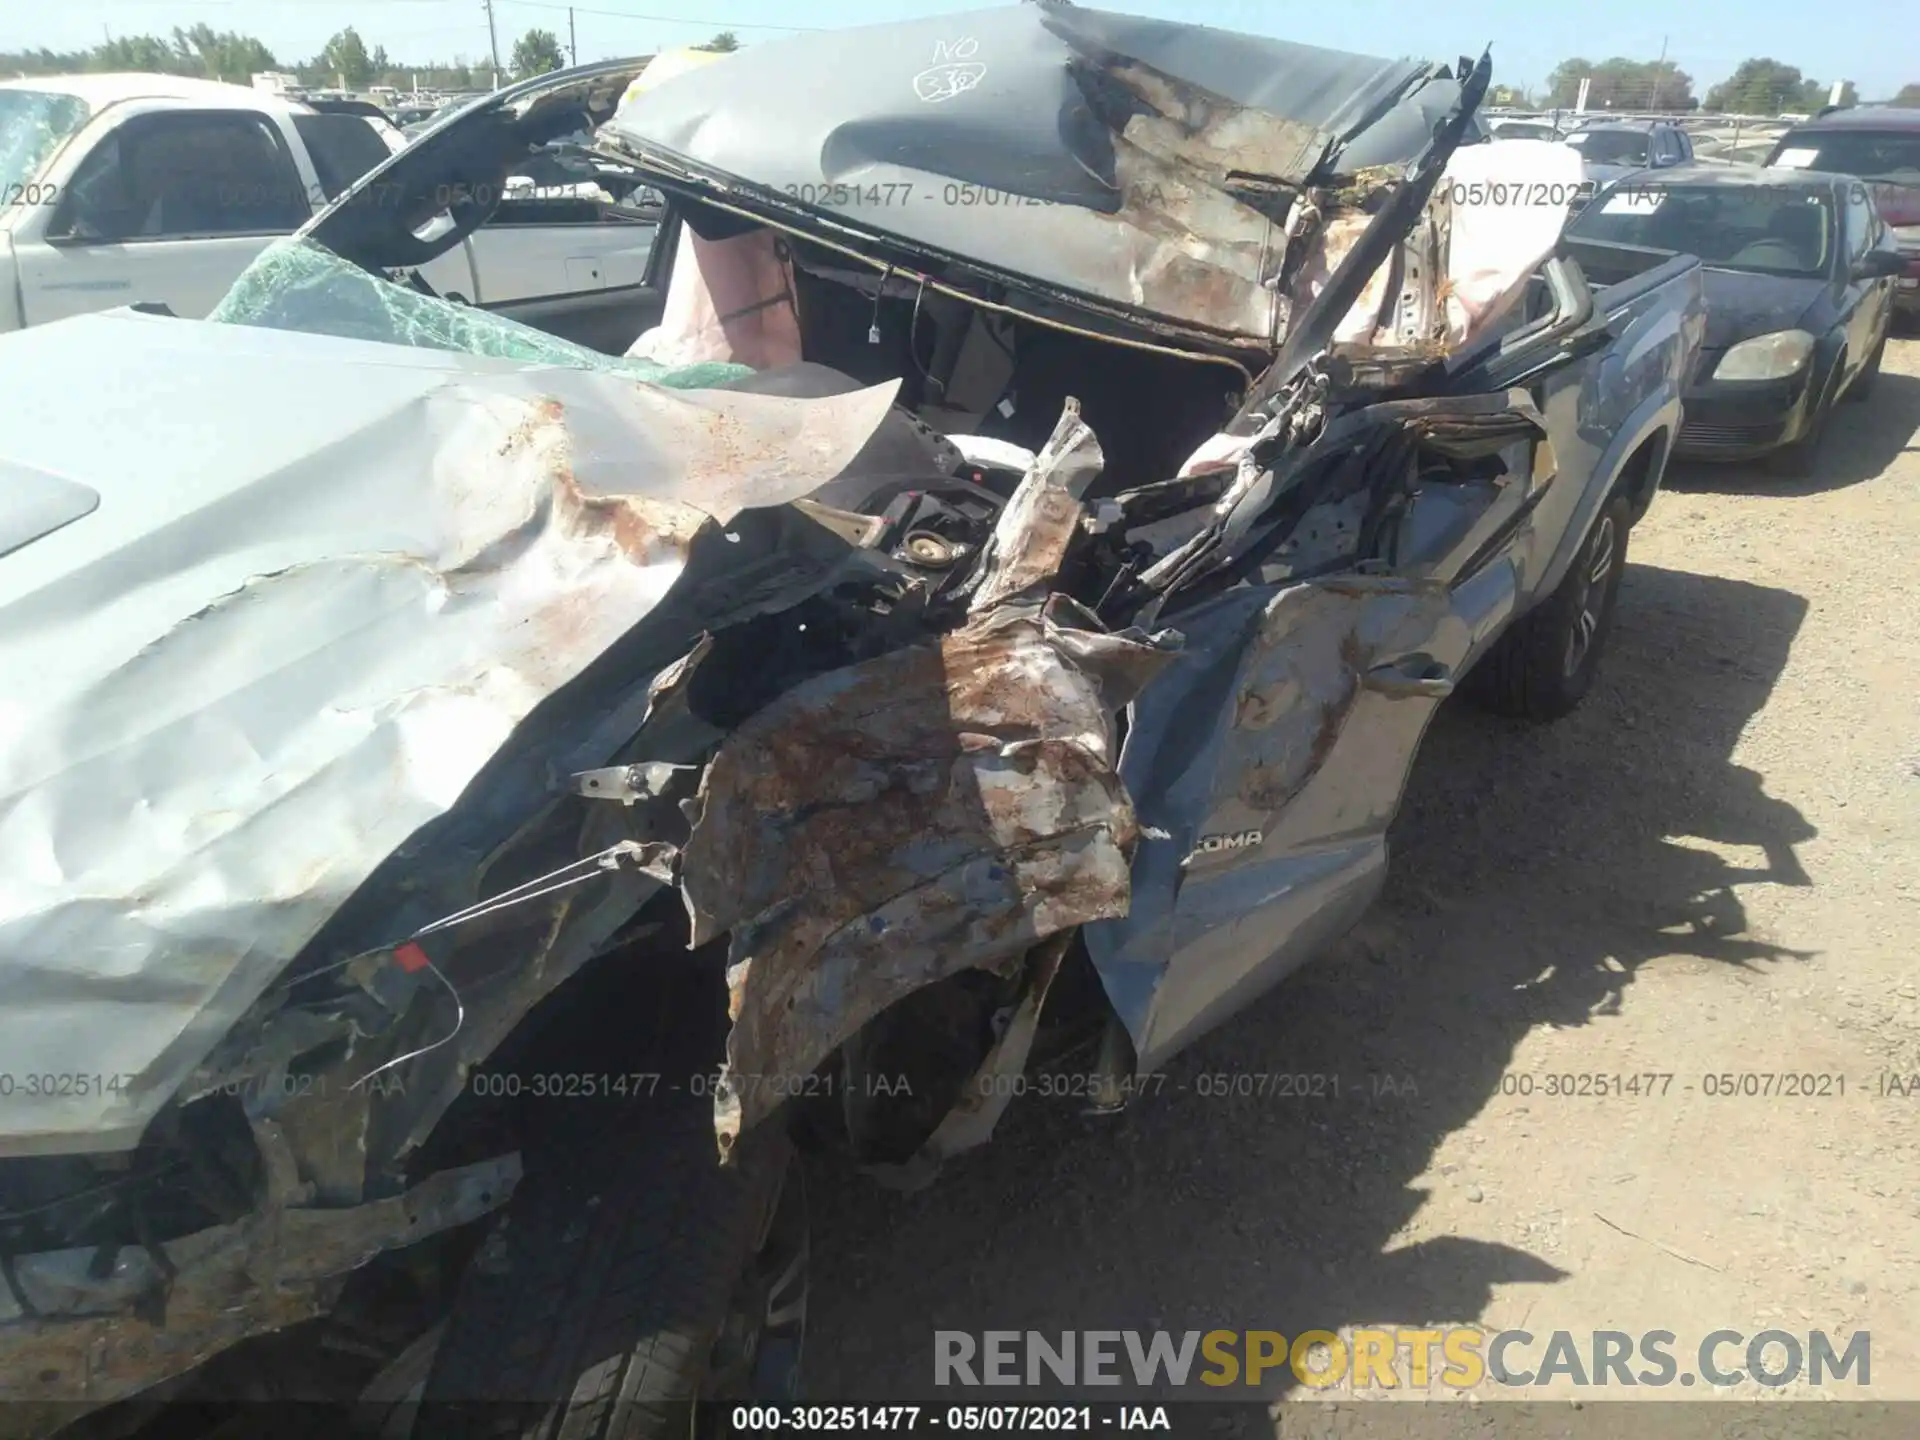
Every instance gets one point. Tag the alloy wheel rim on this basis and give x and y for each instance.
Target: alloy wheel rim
(1593, 595)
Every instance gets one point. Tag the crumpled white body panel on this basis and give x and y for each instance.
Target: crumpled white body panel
(1510, 202)
(324, 582)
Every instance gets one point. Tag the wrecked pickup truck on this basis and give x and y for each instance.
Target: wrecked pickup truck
(481, 788)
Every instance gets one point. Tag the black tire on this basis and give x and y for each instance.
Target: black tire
(600, 1305)
(1862, 386)
(1533, 671)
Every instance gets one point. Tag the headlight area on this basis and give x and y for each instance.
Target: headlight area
(1766, 357)
(199, 1167)
(187, 1257)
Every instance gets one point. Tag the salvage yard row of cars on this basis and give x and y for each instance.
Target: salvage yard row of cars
(119, 189)
(1808, 263)
(891, 638)
(1800, 277)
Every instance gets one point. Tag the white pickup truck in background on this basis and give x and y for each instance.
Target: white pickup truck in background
(158, 189)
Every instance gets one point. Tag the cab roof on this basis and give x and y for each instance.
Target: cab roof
(100, 91)
(1734, 177)
(1863, 117)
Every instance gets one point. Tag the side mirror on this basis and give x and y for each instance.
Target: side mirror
(62, 234)
(1880, 265)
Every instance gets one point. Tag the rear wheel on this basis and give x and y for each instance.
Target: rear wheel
(631, 1276)
(1545, 663)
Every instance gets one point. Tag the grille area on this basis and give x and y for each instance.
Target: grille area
(1699, 436)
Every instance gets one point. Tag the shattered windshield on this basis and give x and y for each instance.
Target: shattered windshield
(1760, 228)
(301, 285)
(1611, 147)
(33, 123)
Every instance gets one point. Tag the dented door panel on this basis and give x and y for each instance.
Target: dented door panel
(1244, 930)
(1271, 757)
(1273, 754)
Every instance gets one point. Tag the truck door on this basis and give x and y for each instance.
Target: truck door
(1268, 759)
(167, 207)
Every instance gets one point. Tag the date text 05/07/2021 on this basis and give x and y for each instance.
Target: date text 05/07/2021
(950, 1419)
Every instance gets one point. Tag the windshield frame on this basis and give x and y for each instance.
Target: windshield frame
(1579, 229)
(21, 164)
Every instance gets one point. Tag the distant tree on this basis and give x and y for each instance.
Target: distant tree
(1672, 87)
(221, 54)
(536, 53)
(1621, 84)
(43, 61)
(1765, 86)
(146, 53)
(346, 56)
(1563, 85)
(724, 42)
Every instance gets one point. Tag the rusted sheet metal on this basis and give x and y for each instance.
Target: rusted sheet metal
(276, 1268)
(1305, 672)
(1190, 126)
(1179, 243)
(939, 808)
(1031, 538)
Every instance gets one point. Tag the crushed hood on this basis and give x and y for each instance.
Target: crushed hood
(280, 599)
(1137, 161)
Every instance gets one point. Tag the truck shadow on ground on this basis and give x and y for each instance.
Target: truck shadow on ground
(1535, 871)
(1862, 441)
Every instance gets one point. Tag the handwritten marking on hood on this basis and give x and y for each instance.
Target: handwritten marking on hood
(954, 71)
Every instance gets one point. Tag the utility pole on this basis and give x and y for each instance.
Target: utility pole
(573, 48)
(493, 44)
(1660, 73)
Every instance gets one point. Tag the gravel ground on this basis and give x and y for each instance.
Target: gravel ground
(1712, 867)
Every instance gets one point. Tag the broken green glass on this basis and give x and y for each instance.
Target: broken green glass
(301, 285)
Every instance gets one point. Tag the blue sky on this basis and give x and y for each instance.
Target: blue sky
(1875, 43)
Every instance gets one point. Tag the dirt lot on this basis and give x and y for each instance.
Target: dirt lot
(1713, 867)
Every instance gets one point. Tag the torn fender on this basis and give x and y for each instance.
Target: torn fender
(1281, 722)
(939, 808)
(879, 828)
